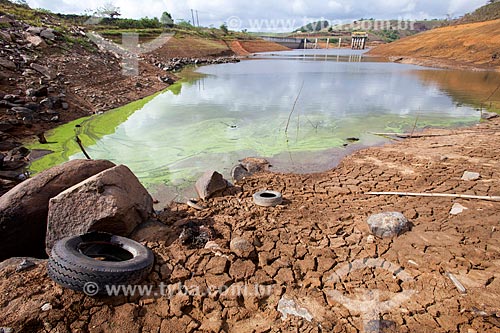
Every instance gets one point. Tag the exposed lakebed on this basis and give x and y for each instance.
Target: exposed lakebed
(222, 113)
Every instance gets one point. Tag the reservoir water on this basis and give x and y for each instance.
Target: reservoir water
(295, 108)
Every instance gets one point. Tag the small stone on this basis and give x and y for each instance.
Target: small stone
(488, 115)
(388, 224)
(211, 245)
(48, 34)
(35, 41)
(46, 307)
(6, 330)
(35, 30)
(370, 239)
(25, 265)
(457, 209)
(288, 306)
(471, 176)
(241, 247)
(210, 183)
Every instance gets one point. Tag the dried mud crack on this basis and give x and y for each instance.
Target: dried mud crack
(296, 249)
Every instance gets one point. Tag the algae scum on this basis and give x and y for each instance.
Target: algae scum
(232, 111)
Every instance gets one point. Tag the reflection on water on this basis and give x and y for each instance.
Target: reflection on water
(239, 110)
(476, 89)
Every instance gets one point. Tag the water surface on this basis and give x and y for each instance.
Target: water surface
(227, 112)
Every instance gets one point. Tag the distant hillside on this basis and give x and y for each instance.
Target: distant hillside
(474, 44)
(314, 26)
(485, 13)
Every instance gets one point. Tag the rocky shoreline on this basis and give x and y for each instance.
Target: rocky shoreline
(51, 76)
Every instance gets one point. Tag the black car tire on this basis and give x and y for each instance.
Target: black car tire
(98, 260)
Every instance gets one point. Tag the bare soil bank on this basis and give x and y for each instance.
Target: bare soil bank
(302, 244)
(467, 46)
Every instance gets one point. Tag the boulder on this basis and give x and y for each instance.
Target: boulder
(112, 201)
(254, 165)
(36, 41)
(248, 167)
(386, 225)
(239, 172)
(24, 209)
(210, 183)
(48, 34)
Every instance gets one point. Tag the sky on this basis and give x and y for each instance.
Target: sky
(277, 15)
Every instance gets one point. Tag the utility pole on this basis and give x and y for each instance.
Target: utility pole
(192, 15)
(197, 18)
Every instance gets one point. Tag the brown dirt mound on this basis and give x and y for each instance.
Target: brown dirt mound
(467, 45)
(246, 47)
(301, 246)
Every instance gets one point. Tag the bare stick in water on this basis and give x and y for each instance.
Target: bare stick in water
(293, 108)
(82, 148)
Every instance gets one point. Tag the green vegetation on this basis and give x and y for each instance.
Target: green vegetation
(314, 26)
(486, 13)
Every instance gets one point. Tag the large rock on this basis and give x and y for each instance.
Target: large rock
(24, 209)
(386, 225)
(112, 201)
(210, 183)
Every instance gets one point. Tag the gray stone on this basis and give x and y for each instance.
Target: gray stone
(8, 64)
(25, 265)
(112, 201)
(24, 209)
(488, 115)
(210, 183)
(457, 209)
(22, 111)
(35, 30)
(36, 41)
(471, 176)
(242, 247)
(5, 36)
(239, 172)
(6, 330)
(388, 224)
(43, 70)
(48, 34)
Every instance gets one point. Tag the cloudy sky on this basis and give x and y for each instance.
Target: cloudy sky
(261, 15)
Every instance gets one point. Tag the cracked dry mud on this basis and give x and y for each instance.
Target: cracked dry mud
(301, 248)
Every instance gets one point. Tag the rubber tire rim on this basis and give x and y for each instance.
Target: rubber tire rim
(267, 198)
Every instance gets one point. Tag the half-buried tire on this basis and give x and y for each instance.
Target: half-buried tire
(267, 198)
(93, 262)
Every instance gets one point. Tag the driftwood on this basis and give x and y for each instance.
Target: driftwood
(440, 195)
(410, 135)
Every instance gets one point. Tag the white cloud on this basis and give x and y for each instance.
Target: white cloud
(218, 11)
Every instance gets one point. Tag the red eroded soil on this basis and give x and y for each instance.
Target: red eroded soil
(473, 45)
